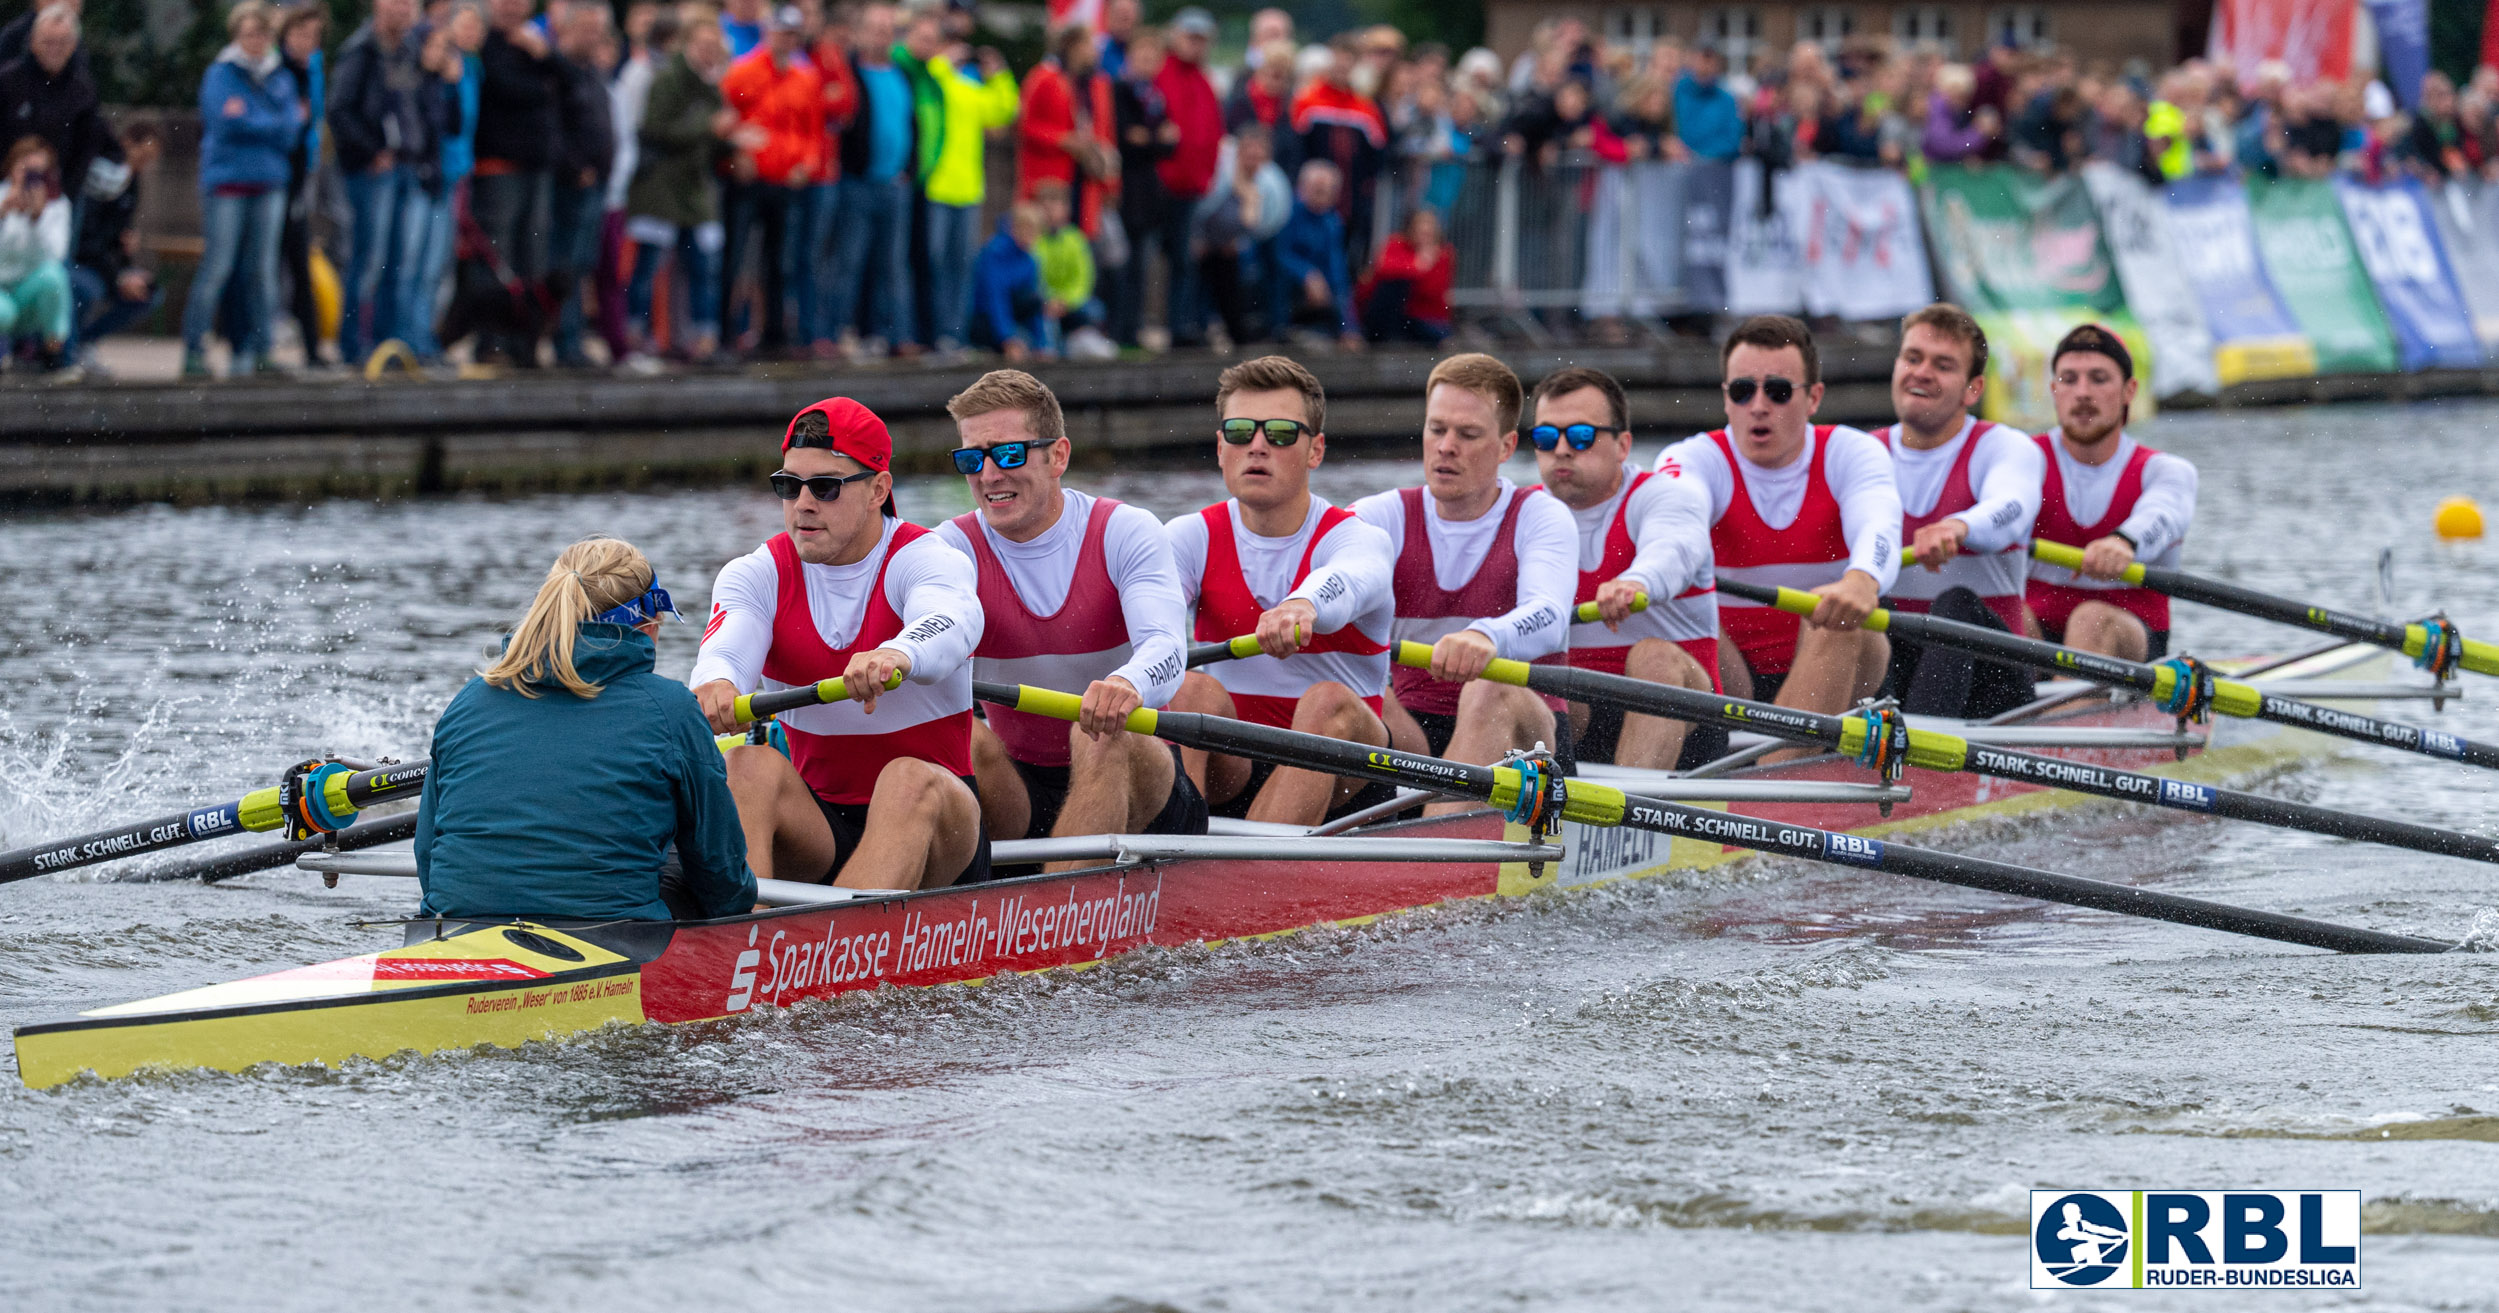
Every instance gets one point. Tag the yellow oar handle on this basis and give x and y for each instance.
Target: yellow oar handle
(1928, 750)
(1067, 706)
(1796, 601)
(2048, 553)
(2479, 657)
(261, 809)
(1503, 670)
(2230, 697)
(827, 690)
(1587, 612)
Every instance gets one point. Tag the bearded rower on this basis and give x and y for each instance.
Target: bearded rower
(877, 791)
(1969, 490)
(1485, 569)
(1798, 505)
(1079, 592)
(2118, 500)
(1310, 580)
(1640, 536)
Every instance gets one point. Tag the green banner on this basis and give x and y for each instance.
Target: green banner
(2310, 257)
(2026, 256)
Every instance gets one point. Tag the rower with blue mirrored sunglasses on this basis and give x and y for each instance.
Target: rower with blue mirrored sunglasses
(1580, 436)
(1007, 455)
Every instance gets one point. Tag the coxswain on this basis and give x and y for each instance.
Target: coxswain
(2118, 500)
(1969, 489)
(506, 829)
(1310, 580)
(1798, 505)
(1079, 593)
(1485, 569)
(877, 790)
(1641, 536)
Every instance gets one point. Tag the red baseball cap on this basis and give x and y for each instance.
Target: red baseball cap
(842, 425)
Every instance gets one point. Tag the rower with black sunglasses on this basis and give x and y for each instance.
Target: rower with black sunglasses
(1309, 580)
(1080, 593)
(1643, 539)
(877, 790)
(1485, 569)
(1798, 505)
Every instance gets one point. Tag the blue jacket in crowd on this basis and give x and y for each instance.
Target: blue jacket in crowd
(560, 806)
(1309, 242)
(249, 149)
(1006, 293)
(1707, 118)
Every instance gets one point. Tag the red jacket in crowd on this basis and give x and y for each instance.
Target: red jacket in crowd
(788, 104)
(1189, 171)
(1429, 299)
(1050, 113)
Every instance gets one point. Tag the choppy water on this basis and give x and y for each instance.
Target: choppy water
(1778, 1086)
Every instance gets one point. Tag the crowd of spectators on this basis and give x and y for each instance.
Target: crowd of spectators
(810, 181)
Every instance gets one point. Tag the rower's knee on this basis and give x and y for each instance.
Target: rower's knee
(1202, 693)
(1330, 709)
(756, 769)
(908, 784)
(1662, 662)
(1735, 674)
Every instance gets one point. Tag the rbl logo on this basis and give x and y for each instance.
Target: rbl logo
(2240, 1239)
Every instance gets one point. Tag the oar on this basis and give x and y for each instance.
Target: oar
(2230, 697)
(1931, 750)
(2411, 640)
(1233, 649)
(753, 707)
(335, 793)
(1596, 804)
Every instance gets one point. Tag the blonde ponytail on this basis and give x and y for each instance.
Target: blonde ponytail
(592, 576)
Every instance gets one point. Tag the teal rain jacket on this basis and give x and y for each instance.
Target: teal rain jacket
(558, 806)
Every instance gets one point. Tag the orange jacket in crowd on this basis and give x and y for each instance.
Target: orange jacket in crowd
(788, 104)
(1049, 115)
(841, 100)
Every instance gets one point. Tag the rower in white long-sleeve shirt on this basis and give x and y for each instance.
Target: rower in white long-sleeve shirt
(1309, 580)
(1485, 569)
(1969, 490)
(2118, 500)
(1080, 595)
(1796, 505)
(876, 792)
(1641, 535)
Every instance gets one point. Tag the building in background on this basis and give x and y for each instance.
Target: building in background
(2157, 32)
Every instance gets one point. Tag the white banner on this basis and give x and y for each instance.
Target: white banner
(1635, 267)
(2468, 222)
(2135, 223)
(1765, 275)
(1863, 253)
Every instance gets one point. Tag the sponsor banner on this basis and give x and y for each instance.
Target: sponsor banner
(2309, 255)
(2403, 32)
(1857, 230)
(2399, 245)
(2195, 1239)
(2135, 224)
(1765, 274)
(2314, 37)
(2025, 255)
(2214, 237)
(1708, 198)
(2467, 212)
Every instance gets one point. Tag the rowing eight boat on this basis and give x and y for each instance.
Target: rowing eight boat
(457, 984)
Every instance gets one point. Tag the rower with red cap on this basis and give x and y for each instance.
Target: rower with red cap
(1080, 594)
(1309, 580)
(1485, 569)
(1793, 504)
(877, 791)
(2116, 499)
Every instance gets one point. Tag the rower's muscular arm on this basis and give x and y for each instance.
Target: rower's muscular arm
(1350, 571)
(1670, 527)
(1861, 478)
(936, 590)
(2006, 471)
(1546, 541)
(736, 636)
(2159, 522)
(1147, 575)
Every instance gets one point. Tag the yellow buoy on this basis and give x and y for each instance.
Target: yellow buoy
(326, 294)
(2458, 517)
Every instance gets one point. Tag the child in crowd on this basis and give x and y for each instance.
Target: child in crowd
(113, 289)
(34, 253)
(1011, 312)
(1067, 275)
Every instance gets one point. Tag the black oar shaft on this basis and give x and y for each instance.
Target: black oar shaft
(121, 841)
(1946, 752)
(362, 834)
(1310, 752)
(2231, 697)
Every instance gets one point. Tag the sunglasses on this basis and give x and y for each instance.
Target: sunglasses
(1009, 455)
(1780, 391)
(826, 487)
(1580, 436)
(1280, 432)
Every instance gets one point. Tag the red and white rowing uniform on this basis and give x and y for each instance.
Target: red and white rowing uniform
(1831, 510)
(1092, 596)
(1987, 476)
(1507, 574)
(1341, 566)
(1653, 531)
(2147, 495)
(779, 622)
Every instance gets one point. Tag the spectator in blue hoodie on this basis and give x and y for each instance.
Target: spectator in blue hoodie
(1310, 254)
(250, 119)
(1010, 311)
(1707, 119)
(567, 770)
